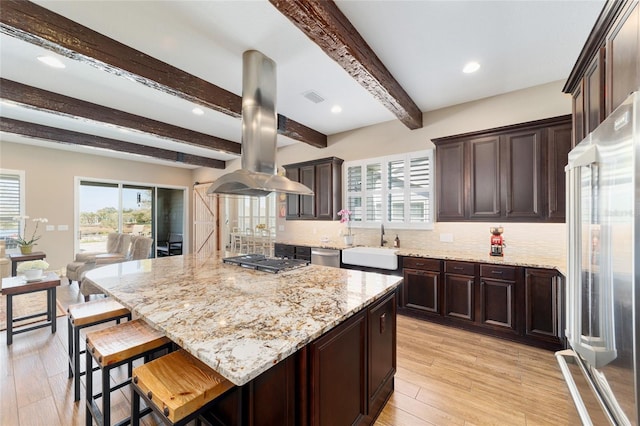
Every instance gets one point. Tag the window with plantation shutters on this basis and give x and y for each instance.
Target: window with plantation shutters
(394, 191)
(11, 204)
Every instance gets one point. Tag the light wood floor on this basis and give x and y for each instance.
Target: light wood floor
(445, 377)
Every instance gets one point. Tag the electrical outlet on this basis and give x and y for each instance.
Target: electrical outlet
(446, 238)
(63, 227)
(281, 228)
(51, 228)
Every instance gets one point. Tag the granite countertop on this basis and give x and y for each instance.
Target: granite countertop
(520, 259)
(537, 260)
(238, 321)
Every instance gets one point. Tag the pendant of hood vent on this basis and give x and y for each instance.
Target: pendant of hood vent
(257, 176)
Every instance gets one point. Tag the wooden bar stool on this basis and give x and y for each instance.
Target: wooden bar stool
(83, 315)
(112, 347)
(178, 386)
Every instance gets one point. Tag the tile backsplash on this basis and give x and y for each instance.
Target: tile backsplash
(548, 239)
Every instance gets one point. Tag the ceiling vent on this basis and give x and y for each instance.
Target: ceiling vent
(313, 97)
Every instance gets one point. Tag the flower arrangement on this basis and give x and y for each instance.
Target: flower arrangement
(22, 239)
(345, 217)
(261, 226)
(32, 264)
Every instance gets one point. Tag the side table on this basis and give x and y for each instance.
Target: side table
(17, 285)
(19, 257)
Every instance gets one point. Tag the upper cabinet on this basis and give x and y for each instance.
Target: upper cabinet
(608, 68)
(324, 177)
(513, 173)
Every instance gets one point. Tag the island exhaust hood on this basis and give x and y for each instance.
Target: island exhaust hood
(257, 176)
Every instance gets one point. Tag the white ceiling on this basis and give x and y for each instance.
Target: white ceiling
(424, 44)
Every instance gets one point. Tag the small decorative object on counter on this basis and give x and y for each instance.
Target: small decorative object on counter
(396, 242)
(345, 217)
(497, 242)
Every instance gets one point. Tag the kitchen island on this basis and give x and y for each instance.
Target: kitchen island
(314, 345)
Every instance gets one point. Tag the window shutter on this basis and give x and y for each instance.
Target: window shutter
(420, 195)
(9, 207)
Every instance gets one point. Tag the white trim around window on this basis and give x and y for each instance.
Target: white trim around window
(396, 191)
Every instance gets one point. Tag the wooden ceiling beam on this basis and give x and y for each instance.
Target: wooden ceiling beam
(55, 103)
(327, 26)
(37, 25)
(69, 137)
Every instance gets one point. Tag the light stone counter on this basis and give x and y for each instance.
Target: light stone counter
(238, 321)
(521, 259)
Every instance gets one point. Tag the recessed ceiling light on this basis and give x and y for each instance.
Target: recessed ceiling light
(51, 61)
(197, 111)
(471, 67)
(336, 109)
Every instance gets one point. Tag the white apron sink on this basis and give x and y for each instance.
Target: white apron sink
(372, 257)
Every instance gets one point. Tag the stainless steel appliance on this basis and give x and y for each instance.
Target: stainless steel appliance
(260, 262)
(325, 257)
(603, 276)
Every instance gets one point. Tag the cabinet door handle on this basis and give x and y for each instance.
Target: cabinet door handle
(419, 264)
(458, 268)
(497, 272)
(383, 322)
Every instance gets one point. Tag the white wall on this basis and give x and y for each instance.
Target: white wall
(49, 186)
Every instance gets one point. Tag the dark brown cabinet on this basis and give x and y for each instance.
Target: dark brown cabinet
(451, 165)
(498, 298)
(325, 178)
(288, 251)
(338, 365)
(623, 57)
(558, 147)
(381, 321)
(352, 367)
(608, 67)
(543, 305)
(422, 290)
(508, 174)
(459, 286)
(512, 302)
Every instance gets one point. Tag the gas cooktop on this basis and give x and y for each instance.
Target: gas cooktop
(261, 262)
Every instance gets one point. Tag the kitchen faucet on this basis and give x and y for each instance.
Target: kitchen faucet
(382, 240)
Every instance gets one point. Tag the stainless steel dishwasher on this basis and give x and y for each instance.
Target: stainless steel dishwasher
(325, 257)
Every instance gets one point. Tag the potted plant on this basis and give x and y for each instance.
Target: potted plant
(26, 245)
(345, 217)
(33, 269)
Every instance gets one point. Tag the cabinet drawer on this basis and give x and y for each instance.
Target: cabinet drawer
(498, 272)
(422, 263)
(462, 268)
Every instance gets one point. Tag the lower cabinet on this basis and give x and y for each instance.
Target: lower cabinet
(288, 251)
(513, 302)
(338, 363)
(498, 298)
(544, 304)
(422, 285)
(459, 289)
(352, 367)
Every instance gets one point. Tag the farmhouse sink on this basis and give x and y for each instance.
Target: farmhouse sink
(372, 257)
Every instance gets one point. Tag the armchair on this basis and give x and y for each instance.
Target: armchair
(140, 249)
(118, 246)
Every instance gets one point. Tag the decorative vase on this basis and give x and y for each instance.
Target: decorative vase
(32, 274)
(26, 249)
(348, 240)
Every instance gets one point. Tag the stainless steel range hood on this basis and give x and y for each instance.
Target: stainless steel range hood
(258, 177)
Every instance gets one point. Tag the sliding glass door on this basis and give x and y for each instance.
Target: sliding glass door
(105, 207)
